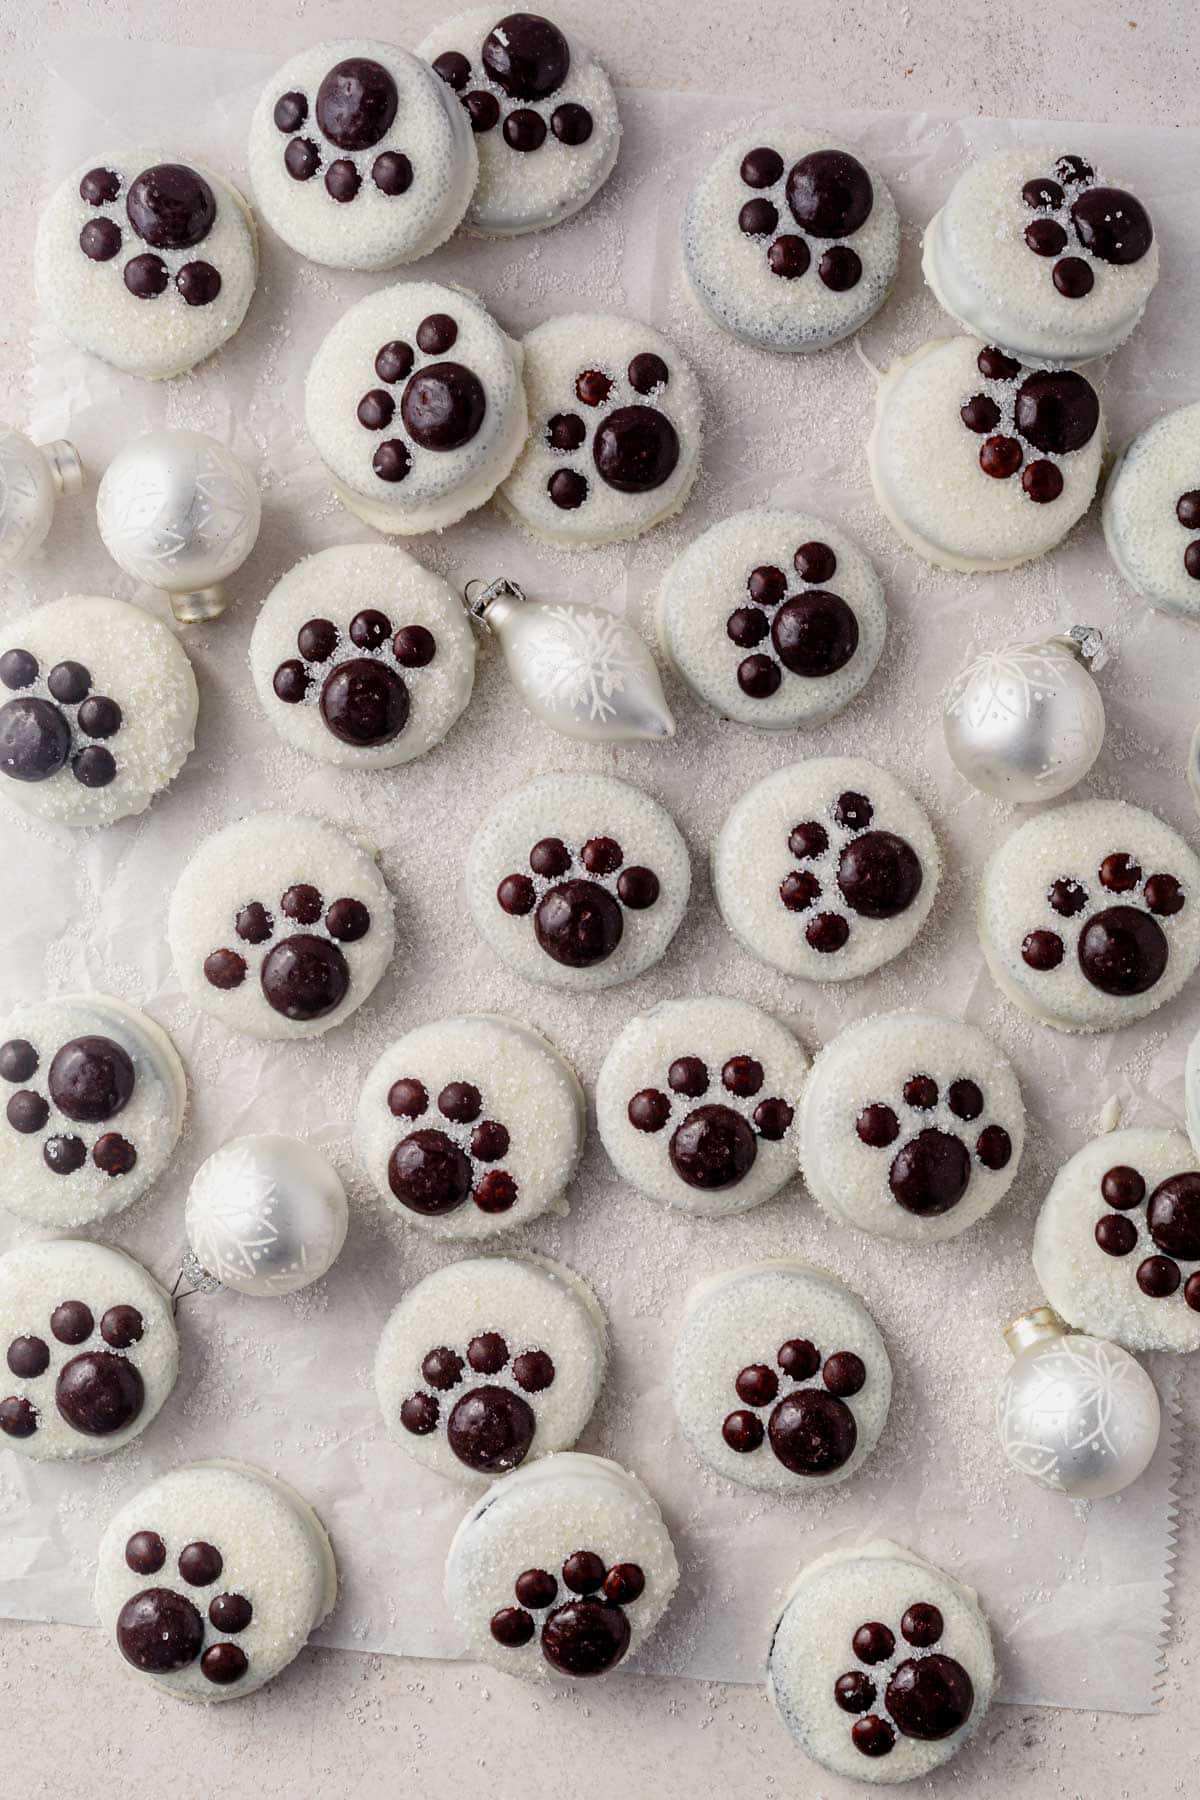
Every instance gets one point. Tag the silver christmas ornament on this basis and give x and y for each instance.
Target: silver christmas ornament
(1193, 767)
(579, 669)
(1191, 1090)
(32, 476)
(1026, 722)
(265, 1215)
(180, 511)
(1074, 1413)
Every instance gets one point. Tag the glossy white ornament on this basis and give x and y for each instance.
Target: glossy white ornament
(1026, 722)
(579, 669)
(1074, 1413)
(265, 1215)
(32, 476)
(180, 511)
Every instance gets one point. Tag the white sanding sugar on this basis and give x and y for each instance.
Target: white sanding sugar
(1150, 520)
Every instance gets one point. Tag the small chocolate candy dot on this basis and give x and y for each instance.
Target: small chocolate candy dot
(145, 276)
(980, 414)
(198, 283)
(1073, 278)
(100, 240)
(1045, 237)
(1123, 1188)
(747, 626)
(122, 1326)
(1119, 873)
(348, 920)
(28, 1357)
(454, 69)
(18, 1060)
(743, 1432)
(965, 1098)
(516, 895)
(772, 1119)
(533, 1371)
(460, 1101)
(809, 839)
(854, 1692)
(1067, 898)
(145, 1553)
(1000, 457)
(647, 372)
(583, 1572)
(872, 1735)
(592, 387)
(290, 112)
(601, 856)
(223, 1664)
(99, 186)
(624, 1583)
(94, 767)
(1187, 510)
(419, 1414)
(742, 1075)
(649, 1110)
(757, 1385)
(758, 677)
(392, 460)
(229, 1612)
(571, 123)
(375, 410)
(302, 159)
(995, 365)
(854, 811)
(1042, 192)
(1191, 1291)
(565, 431)
(225, 969)
(1073, 170)
(799, 1359)
(536, 1588)
(788, 257)
(549, 857)
(113, 1155)
(1157, 1276)
(844, 1374)
(442, 1368)
(921, 1091)
(99, 717)
(317, 639)
(688, 1075)
(27, 1112)
(18, 1417)
(407, 1099)
(487, 1353)
(436, 334)
(567, 489)
(1042, 950)
(1115, 1234)
(1163, 895)
(63, 1155)
(799, 890)
(761, 168)
(815, 562)
(72, 1322)
(200, 1564)
(511, 1626)
(496, 1193)
(993, 1147)
(394, 361)
(767, 585)
(291, 681)
(524, 130)
(757, 218)
(827, 933)
(483, 109)
(922, 1625)
(840, 268)
(392, 173)
(873, 1643)
(302, 903)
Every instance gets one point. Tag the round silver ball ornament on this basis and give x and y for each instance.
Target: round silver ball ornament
(1074, 1413)
(32, 477)
(579, 669)
(265, 1215)
(180, 511)
(1026, 722)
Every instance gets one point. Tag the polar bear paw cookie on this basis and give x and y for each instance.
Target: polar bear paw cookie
(578, 881)
(98, 709)
(981, 464)
(542, 110)
(210, 1580)
(911, 1127)
(563, 1568)
(1117, 1244)
(416, 406)
(881, 1666)
(790, 241)
(491, 1363)
(471, 1126)
(695, 1101)
(826, 869)
(1089, 915)
(94, 1097)
(1151, 513)
(280, 926)
(615, 421)
(1037, 253)
(774, 618)
(780, 1379)
(89, 1345)
(146, 261)
(359, 157)
(361, 657)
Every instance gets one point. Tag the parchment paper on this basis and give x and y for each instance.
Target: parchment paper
(1078, 1594)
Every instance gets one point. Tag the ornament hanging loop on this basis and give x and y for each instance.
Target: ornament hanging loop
(480, 595)
(1087, 643)
(66, 469)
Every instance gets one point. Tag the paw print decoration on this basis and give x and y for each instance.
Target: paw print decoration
(1029, 422)
(280, 926)
(1094, 224)
(587, 1632)
(931, 1170)
(55, 722)
(826, 869)
(89, 1349)
(890, 1691)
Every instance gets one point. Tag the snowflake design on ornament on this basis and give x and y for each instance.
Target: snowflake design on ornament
(1002, 690)
(236, 1233)
(146, 531)
(1074, 1391)
(583, 661)
(19, 495)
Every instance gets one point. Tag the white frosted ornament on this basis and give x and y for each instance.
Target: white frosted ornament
(180, 511)
(1026, 722)
(579, 669)
(1074, 1413)
(265, 1215)
(32, 476)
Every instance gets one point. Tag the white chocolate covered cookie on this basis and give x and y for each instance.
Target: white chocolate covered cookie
(789, 240)
(1117, 1244)
(94, 1095)
(579, 881)
(361, 657)
(776, 619)
(359, 157)
(562, 1568)
(471, 1126)
(881, 1666)
(911, 1127)
(146, 260)
(780, 1378)
(542, 110)
(695, 1100)
(981, 464)
(1151, 513)
(615, 419)
(90, 1349)
(491, 1363)
(826, 869)
(1035, 252)
(210, 1580)
(98, 709)
(415, 404)
(1089, 915)
(280, 926)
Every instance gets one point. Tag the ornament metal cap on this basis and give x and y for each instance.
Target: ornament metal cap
(66, 468)
(1034, 1327)
(200, 604)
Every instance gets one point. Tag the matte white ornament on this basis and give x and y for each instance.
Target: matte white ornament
(32, 476)
(265, 1215)
(1026, 722)
(180, 511)
(579, 669)
(1074, 1413)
